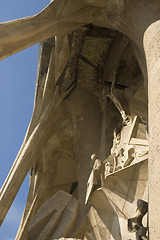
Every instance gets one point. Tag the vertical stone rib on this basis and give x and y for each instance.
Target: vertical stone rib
(152, 51)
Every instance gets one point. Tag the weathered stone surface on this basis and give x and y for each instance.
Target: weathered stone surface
(96, 62)
(54, 218)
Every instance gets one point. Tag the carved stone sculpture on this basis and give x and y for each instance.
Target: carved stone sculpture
(97, 59)
(135, 223)
(94, 181)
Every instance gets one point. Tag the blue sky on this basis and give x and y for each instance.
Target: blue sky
(17, 87)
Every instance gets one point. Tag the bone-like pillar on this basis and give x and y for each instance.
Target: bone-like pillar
(57, 18)
(152, 51)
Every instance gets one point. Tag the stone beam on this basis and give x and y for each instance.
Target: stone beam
(57, 18)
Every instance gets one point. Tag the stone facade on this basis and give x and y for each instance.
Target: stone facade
(94, 166)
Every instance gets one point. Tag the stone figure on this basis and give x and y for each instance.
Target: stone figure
(130, 144)
(88, 48)
(94, 181)
(135, 223)
(108, 168)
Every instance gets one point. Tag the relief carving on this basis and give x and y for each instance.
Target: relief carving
(135, 224)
